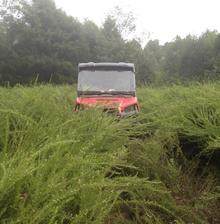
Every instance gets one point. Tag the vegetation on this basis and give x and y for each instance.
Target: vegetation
(59, 166)
(37, 40)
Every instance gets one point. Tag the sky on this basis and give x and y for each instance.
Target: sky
(155, 19)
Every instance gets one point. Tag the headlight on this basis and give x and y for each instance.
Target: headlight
(79, 107)
(129, 109)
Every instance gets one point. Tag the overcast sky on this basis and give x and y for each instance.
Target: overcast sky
(163, 19)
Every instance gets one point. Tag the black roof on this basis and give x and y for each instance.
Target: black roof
(107, 66)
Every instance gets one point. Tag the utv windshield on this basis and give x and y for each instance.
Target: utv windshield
(101, 82)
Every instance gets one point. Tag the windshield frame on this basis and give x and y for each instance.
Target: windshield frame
(131, 90)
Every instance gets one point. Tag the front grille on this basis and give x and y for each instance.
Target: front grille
(111, 110)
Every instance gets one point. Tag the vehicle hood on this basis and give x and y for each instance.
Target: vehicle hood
(107, 102)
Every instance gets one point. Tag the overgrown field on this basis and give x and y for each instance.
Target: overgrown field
(58, 166)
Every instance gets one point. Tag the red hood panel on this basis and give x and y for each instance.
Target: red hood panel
(113, 102)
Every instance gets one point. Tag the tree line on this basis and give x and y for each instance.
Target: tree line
(40, 41)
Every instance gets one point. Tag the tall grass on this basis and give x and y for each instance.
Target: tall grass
(59, 166)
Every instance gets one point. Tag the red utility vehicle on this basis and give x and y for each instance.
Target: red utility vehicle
(108, 85)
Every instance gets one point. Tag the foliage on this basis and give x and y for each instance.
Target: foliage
(39, 40)
(58, 166)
